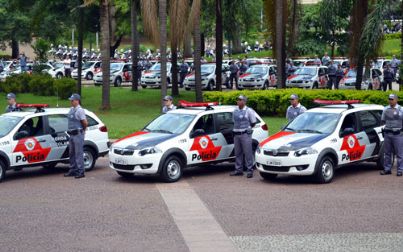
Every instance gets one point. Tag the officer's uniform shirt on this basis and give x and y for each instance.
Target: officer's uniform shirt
(293, 112)
(243, 118)
(75, 116)
(393, 117)
(165, 109)
(12, 108)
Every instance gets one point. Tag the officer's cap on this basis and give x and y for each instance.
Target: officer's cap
(393, 97)
(242, 98)
(10, 96)
(168, 98)
(75, 97)
(294, 97)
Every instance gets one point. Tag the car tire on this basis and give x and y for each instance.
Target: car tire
(125, 174)
(324, 171)
(315, 85)
(59, 75)
(187, 89)
(268, 176)
(144, 86)
(89, 76)
(118, 82)
(210, 86)
(89, 158)
(3, 169)
(171, 169)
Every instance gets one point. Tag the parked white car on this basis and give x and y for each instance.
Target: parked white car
(119, 72)
(89, 69)
(258, 76)
(308, 77)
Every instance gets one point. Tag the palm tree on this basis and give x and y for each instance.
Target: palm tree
(195, 13)
(80, 30)
(293, 27)
(401, 53)
(135, 45)
(162, 14)
(281, 7)
(218, 43)
(105, 52)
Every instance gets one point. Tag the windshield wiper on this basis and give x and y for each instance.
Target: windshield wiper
(147, 129)
(311, 131)
(162, 131)
(290, 129)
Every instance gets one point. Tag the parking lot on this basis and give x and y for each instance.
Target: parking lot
(206, 211)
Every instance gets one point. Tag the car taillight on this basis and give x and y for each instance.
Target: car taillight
(103, 129)
(264, 127)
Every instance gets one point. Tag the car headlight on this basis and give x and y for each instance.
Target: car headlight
(149, 150)
(305, 151)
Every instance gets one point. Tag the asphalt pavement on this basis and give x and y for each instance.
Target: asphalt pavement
(207, 210)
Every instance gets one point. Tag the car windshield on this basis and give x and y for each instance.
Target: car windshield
(58, 65)
(257, 70)
(87, 65)
(157, 67)
(170, 123)
(351, 74)
(116, 66)
(312, 122)
(306, 71)
(7, 123)
(207, 69)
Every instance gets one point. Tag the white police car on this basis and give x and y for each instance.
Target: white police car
(258, 76)
(199, 134)
(323, 139)
(39, 138)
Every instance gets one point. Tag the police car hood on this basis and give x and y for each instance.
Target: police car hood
(142, 139)
(291, 141)
(251, 75)
(297, 77)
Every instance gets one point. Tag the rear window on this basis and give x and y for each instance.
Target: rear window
(91, 121)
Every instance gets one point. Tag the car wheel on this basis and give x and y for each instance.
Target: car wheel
(210, 86)
(229, 86)
(325, 170)
(268, 176)
(187, 88)
(125, 174)
(3, 169)
(97, 85)
(59, 76)
(315, 85)
(144, 86)
(172, 169)
(370, 86)
(89, 159)
(265, 85)
(381, 158)
(118, 82)
(89, 76)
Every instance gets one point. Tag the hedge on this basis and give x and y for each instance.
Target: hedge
(38, 84)
(275, 102)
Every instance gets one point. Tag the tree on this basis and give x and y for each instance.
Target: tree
(105, 52)
(281, 7)
(135, 44)
(218, 44)
(293, 26)
(162, 16)
(195, 13)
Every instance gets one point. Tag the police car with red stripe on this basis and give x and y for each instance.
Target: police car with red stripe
(196, 134)
(323, 139)
(37, 136)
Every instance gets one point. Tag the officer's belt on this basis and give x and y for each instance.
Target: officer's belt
(74, 132)
(393, 131)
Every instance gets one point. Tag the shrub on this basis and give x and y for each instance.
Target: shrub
(397, 35)
(42, 84)
(16, 84)
(275, 102)
(64, 87)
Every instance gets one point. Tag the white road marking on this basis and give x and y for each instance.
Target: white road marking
(198, 226)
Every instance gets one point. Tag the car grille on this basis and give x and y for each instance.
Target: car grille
(123, 167)
(123, 152)
(296, 81)
(276, 168)
(276, 153)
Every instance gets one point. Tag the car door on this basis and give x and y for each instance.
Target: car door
(57, 126)
(322, 77)
(206, 143)
(351, 149)
(31, 144)
(370, 127)
(225, 126)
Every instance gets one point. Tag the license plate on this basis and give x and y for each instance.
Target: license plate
(274, 163)
(121, 161)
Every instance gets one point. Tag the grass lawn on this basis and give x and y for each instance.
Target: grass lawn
(391, 47)
(130, 110)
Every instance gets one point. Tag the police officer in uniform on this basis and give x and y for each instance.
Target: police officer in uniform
(295, 109)
(392, 117)
(12, 103)
(77, 124)
(168, 105)
(244, 120)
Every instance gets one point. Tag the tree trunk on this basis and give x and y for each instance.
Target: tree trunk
(218, 44)
(280, 42)
(401, 54)
(174, 70)
(80, 30)
(187, 46)
(15, 49)
(163, 45)
(197, 56)
(105, 53)
(236, 44)
(135, 45)
(293, 27)
(202, 45)
(116, 46)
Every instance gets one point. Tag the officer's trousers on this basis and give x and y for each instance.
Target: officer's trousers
(393, 144)
(76, 153)
(243, 152)
(331, 82)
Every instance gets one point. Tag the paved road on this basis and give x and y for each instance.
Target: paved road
(206, 211)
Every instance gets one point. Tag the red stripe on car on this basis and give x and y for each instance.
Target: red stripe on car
(276, 136)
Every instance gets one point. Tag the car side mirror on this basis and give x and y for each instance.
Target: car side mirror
(21, 134)
(198, 132)
(347, 131)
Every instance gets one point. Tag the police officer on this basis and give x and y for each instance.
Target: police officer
(77, 124)
(388, 77)
(244, 120)
(233, 68)
(183, 71)
(332, 75)
(392, 117)
(12, 103)
(168, 105)
(339, 76)
(295, 109)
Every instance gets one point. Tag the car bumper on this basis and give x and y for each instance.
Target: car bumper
(299, 166)
(299, 85)
(135, 164)
(250, 84)
(191, 84)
